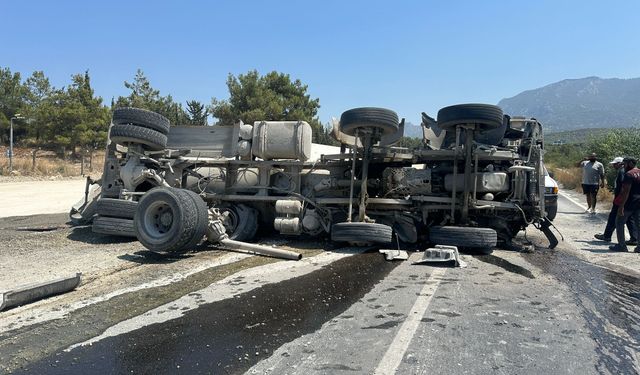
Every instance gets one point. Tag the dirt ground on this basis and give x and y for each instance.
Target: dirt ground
(29, 196)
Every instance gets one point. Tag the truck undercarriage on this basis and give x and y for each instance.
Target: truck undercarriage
(476, 179)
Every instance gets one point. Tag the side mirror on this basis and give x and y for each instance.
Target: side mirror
(551, 174)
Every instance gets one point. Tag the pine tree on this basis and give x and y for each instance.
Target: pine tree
(196, 112)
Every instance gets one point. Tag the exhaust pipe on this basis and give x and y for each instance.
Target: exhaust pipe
(216, 234)
(34, 292)
(260, 249)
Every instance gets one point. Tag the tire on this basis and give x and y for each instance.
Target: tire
(241, 221)
(552, 211)
(364, 233)
(141, 117)
(121, 208)
(202, 215)
(369, 117)
(124, 134)
(485, 116)
(166, 220)
(471, 237)
(113, 226)
(492, 137)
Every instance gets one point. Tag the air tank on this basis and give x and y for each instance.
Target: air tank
(281, 140)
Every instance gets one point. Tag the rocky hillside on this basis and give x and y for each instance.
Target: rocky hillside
(572, 104)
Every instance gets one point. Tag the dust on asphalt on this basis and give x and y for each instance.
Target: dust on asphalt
(609, 302)
(232, 335)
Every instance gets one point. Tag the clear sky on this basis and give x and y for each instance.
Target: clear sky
(410, 56)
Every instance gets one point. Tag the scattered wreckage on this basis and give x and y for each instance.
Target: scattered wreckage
(478, 178)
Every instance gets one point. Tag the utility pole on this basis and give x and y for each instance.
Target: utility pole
(17, 116)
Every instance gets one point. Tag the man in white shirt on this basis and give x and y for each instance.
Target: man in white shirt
(592, 180)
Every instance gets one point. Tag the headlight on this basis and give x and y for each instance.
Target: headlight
(551, 190)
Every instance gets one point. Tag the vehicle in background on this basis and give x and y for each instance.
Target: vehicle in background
(550, 195)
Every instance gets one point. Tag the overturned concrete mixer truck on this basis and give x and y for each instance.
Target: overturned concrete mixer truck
(477, 179)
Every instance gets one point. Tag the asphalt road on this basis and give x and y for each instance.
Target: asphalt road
(568, 310)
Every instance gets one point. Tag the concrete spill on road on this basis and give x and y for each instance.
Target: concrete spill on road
(608, 302)
(224, 336)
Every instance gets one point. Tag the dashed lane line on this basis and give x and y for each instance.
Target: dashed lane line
(393, 357)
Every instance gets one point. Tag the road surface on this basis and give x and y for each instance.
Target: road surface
(39, 197)
(571, 310)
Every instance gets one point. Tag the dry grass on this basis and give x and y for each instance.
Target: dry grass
(571, 178)
(47, 164)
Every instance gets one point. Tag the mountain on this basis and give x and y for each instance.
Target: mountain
(573, 104)
(412, 131)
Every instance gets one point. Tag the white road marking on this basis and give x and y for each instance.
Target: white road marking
(392, 358)
(39, 315)
(573, 201)
(226, 288)
(570, 199)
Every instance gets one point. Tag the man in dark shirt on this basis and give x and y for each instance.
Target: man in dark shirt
(611, 221)
(628, 203)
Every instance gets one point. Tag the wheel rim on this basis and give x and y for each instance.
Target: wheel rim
(158, 219)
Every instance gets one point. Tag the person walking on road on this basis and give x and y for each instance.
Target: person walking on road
(592, 180)
(628, 204)
(611, 221)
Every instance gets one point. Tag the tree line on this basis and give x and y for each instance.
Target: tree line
(607, 145)
(73, 117)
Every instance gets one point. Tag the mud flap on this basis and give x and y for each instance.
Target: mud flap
(545, 227)
(82, 212)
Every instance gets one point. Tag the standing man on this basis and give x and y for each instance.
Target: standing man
(628, 204)
(611, 221)
(592, 180)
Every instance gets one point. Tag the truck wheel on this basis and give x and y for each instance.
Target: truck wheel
(552, 211)
(141, 117)
(166, 220)
(113, 226)
(471, 237)
(240, 221)
(369, 117)
(124, 134)
(202, 218)
(492, 137)
(484, 116)
(116, 208)
(361, 233)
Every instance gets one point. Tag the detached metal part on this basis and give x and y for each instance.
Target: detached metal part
(394, 254)
(442, 253)
(82, 212)
(33, 292)
(545, 227)
(216, 234)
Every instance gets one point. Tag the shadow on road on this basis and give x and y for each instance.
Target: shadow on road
(84, 234)
(149, 257)
(604, 246)
(505, 265)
